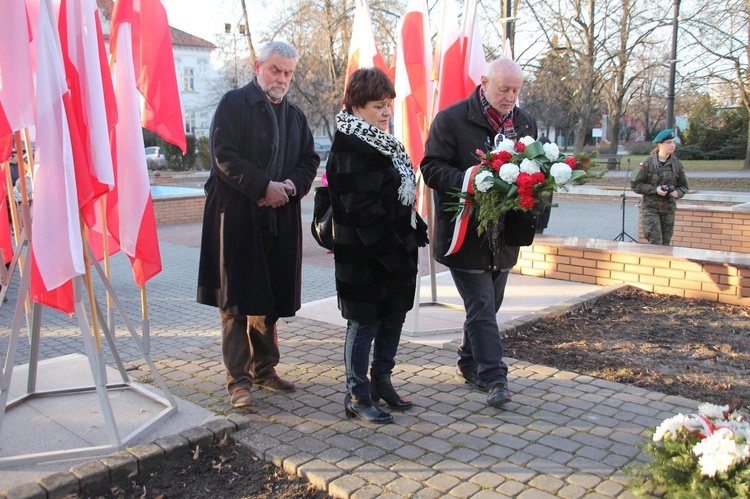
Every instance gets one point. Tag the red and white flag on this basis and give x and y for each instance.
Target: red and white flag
(153, 63)
(413, 72)
(94, 110)
(130, 212)
(413, 83)
(475, 62)
(57, 246)
(363, 51)
(16, 80)
(448, 70)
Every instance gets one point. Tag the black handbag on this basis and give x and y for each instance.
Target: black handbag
(322, 222)
(520, 228)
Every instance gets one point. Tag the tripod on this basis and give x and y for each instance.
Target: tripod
(622, 235)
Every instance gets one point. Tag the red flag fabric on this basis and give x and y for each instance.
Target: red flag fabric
(93, 111)
(153, 63)
(448, 71)
(5, 243)
(475, 62)
(130, 213)
(363, 51)
(57, 246)
(6, 136)
(16, 81)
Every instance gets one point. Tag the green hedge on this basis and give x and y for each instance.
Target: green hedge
(695, 152)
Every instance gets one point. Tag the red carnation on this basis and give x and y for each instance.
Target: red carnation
(497, 162)
(523, 179)
(571, 162)
(520, 147)
(527, 202)
(538, 178)
(505, 156)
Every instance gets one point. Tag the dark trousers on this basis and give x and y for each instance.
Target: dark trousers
(481, 349)
(384, 335)
(250, 349)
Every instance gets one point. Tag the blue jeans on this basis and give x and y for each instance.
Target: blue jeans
(481, 349)
(385, 334)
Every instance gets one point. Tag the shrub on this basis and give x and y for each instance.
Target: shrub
(203, 153)
(691, 152)
(642, 148)
(727, 152)
(176, 161)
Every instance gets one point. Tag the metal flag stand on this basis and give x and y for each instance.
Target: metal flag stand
(433, 302)
(622, 235)
(95, 355)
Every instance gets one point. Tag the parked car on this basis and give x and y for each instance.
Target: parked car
(323, 150)
(155, 159)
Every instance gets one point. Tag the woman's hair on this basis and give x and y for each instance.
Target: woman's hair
(366, 85)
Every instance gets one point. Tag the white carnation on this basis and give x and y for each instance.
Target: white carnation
(551, 151)
(712, 411)
(509, 172)
(503, 144)
(483, 181)
(669, 427)
(530, 166)
(561, 172)
(526, 140)
(718, 452)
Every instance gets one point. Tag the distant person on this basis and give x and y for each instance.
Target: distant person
(263, 162)
(17, 194)
(480, 274)
(376, 235)
(661, 180)
(543, 139)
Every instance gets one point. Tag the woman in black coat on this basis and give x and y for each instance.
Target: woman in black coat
(376, 235)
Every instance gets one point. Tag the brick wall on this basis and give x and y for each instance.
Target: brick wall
(691, 273)
(717, 228)
(178, 210)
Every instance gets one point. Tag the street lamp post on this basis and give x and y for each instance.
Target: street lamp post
(672, 67)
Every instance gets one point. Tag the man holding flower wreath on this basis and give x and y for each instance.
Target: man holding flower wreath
(479, 270)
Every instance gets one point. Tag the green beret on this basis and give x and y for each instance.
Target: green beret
(664, 135)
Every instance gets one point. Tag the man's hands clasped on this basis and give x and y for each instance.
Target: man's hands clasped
(277, 194)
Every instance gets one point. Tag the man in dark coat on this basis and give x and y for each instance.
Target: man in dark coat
(480, 274)
(263, 163)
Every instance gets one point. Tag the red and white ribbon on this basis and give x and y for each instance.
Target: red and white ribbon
(462, 220)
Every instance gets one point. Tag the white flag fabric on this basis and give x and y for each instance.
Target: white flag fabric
(16, 81)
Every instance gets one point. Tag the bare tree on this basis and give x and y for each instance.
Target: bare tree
(722, 31)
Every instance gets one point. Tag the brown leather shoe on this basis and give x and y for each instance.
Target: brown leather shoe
(275, 384)
(242, 398)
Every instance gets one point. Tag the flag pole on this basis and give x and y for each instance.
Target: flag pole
(90, 288)
(107, 269)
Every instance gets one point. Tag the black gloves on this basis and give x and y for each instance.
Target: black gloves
(421, 233)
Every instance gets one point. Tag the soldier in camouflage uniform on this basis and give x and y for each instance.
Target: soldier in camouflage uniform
(661, 180)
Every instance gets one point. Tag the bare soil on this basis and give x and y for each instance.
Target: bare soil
(222, 471)
(691, 348)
